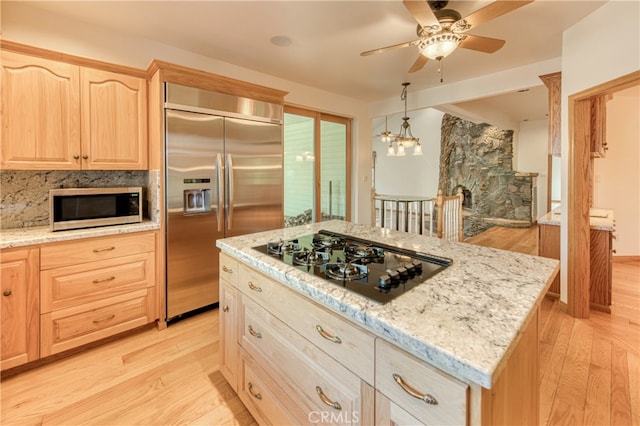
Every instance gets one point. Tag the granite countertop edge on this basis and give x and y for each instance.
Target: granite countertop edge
(598, 223)
(21, 237)
(465, 320)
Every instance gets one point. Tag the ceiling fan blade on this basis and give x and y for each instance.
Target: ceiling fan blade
(481, 44)
(491, 11)
(419, 63)
(384, 49)
(421, 12)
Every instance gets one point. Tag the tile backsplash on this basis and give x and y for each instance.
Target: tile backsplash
(24, 194)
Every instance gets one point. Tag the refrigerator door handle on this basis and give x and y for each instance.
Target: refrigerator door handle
(230, 191)
(219, 197)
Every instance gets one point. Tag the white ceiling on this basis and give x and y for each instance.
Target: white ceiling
(327, 38)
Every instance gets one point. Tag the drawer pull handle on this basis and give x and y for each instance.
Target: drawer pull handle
(104, 249)
(256, 395)
(96, 281)
(109, 318)
(227, 270)
(428, 398)
(326, 400)
(254, 287)
(225, 309)
(254, 333)
(6, 293)
(334, 339)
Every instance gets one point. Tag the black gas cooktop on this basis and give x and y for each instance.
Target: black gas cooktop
(372, 269)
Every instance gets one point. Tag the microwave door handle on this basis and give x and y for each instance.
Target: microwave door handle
(219, 196)
(230, 190)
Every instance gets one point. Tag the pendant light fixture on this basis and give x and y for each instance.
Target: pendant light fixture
(405, 138)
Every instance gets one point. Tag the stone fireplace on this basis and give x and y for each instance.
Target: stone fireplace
(478, 159)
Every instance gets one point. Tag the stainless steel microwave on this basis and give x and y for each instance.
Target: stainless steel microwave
(75, 208)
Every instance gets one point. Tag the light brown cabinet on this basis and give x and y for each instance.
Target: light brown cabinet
(229, 320)
(601, 266)
(40, 113)
(94, 288)
(419, 389)
(300, 363)
(19, 306)
(600, 259)
(114, 121)
(61, 116)
(549, 246)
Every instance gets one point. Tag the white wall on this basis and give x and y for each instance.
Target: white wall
(603, 46)
(617, 176)
(410, 175)
(24, 24)
(532, 156)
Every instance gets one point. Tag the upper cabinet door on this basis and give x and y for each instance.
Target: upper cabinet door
(40, 113)
(114, 121)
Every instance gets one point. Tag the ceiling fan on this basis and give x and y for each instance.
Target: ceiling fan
(441, 30)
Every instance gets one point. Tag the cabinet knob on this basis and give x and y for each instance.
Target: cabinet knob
(225, 309)
(6, 293)
(84, 157)
(76, 156)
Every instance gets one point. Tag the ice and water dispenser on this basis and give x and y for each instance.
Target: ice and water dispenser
(197, 200)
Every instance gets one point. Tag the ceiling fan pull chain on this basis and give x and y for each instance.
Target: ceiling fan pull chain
(441, 69)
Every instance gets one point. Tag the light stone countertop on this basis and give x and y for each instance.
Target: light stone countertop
(599, 219)
(20, 237)
(465, 320)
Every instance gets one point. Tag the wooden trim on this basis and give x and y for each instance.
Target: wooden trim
(621, 259)
(186, 76)
(578, 205)
(71, 59)
(578, 241)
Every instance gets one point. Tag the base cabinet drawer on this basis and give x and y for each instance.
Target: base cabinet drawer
(425, 393)
(93, 249)
(80, 284)
(267, 402)
(67, 328)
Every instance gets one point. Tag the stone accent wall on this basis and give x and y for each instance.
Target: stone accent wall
(478, 157)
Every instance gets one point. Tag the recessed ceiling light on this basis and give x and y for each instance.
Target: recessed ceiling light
(281, 41)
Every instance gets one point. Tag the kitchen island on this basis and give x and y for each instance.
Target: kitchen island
(473, 325)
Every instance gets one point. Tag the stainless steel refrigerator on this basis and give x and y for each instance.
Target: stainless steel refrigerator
(223, 178)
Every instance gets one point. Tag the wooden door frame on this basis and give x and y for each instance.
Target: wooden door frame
(580, 188)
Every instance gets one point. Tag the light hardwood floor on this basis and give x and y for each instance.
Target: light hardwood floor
(590, 369)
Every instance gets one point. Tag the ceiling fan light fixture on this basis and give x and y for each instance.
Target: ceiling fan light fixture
(440, 45)
(390, 151)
